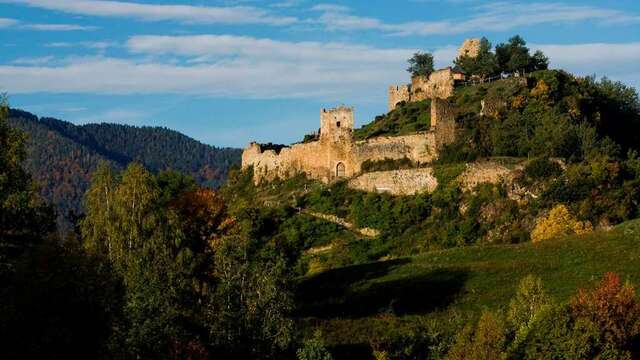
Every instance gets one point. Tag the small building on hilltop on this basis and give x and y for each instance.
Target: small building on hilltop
(439, 84)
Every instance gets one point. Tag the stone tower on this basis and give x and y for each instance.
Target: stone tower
(336, 123)
(470, 47)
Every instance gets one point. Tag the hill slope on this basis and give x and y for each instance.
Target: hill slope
(62, 156)
(351, 304)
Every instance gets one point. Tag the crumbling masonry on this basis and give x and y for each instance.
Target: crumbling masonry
(336, 154)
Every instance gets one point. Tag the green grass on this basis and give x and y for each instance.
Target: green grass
(407, 118)
(348, 303)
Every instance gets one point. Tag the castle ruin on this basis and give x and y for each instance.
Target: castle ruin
(470, 48)
(336, 154)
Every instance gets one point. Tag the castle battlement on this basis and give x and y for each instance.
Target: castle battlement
(336, 154)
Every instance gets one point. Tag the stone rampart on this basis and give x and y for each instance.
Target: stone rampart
(322, 159)
(439, 84)
(484, 172)
(396, 182)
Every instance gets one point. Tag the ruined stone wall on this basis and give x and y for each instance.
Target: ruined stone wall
(397, 94)
(310, 158)
(470, 47)
(484, 172)
(320, 159)
(439, 84)
(419, 148)
(413, 181)
(396, 182)
(443, 122)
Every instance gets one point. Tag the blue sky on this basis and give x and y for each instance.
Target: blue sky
(230, 71)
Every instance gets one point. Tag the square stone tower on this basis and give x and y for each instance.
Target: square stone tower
(336, 123)
(470, 48)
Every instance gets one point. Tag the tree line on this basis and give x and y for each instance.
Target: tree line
(511, 57)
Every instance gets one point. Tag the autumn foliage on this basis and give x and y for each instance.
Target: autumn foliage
(203, 214)
(559, 222)
(613, 307)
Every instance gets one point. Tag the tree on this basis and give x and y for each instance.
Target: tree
(483, 65)
(613, 307)
(514, 57)
(559, 222)
(314, 349)
(524, 309)
(248, 312)
(421, 64)
(55, 301)
(486, 342)
(539, 61)
(25, 219)
(96, 228)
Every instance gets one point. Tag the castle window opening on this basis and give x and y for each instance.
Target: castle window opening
(338, 124)
(340, 170)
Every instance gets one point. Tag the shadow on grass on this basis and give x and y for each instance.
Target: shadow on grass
(352, 292)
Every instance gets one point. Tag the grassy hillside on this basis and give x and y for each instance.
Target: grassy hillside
(407, 118)
(61, 156)
(353, 304)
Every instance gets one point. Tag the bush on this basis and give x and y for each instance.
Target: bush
(542, 169)
(314, 349)
(613, 307)
(603, 323)
(486, 342)
(559, 222)
(530, 301)
(387, 164)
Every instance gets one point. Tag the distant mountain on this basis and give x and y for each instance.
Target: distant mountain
(62, 156)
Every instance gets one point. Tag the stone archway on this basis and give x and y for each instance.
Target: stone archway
(341, 170)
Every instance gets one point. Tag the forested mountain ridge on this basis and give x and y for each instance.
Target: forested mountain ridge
(61, 156)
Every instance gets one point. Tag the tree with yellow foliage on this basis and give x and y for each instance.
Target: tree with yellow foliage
(559, 222)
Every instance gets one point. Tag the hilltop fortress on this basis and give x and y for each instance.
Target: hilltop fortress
(335, 154)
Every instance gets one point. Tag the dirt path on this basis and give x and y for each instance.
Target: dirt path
(368, 232)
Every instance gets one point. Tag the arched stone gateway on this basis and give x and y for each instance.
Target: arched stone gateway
(341, 170)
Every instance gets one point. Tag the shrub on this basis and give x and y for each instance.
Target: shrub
(542, 169)
(613, 307)
(600, 324)
(525, 307)
(314, 349)
(541, 90)
(556, 335)
(487, 342)
(559, 222)
(387, 164)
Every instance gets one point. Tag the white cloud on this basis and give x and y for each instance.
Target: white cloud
(97, 45)
(286, 4)
(311, 53)
(4, 22)
(33, 60)
(331, 8)
(153, 12)
(118, 116)
(499, 16)
(222, 66)
(587, 57)
(57, 27)
(243, 67)
(616, 61)
(17, 24)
